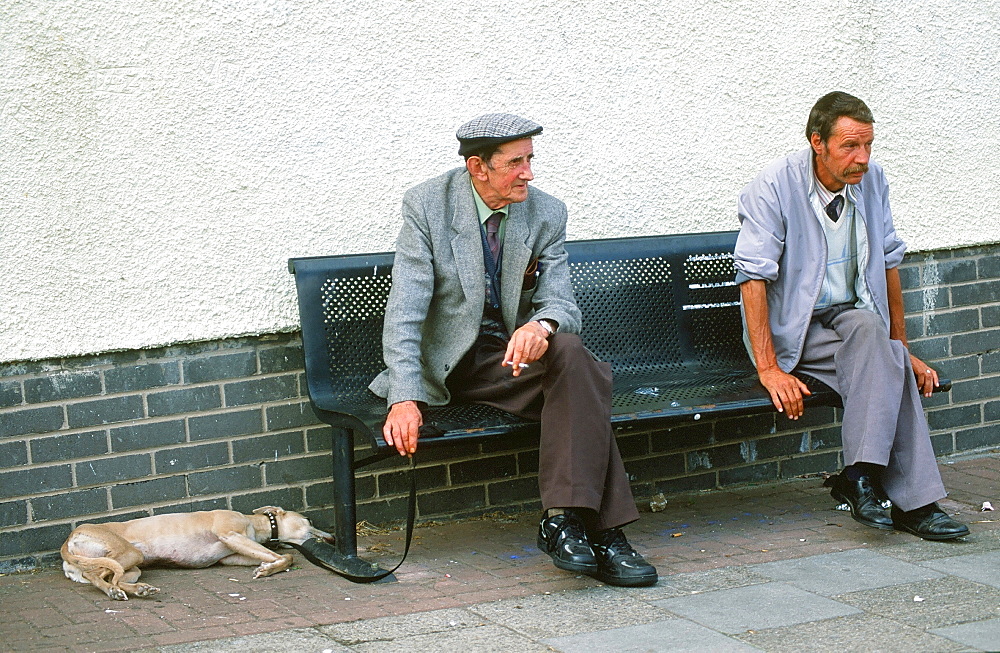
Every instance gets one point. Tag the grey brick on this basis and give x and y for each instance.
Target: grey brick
(147, 435)
(909, 276)
(915, 326)
(227, 480)
(955, 271)
(185, 459)
(473, 471)
(435, 476)
(633, 445)
(259, 391)
(964, 367)
(527, 462)
(930, 349)
(296, 470)
(126, 495)
(955, 417)
(36, 480)
(943, 443)
(991, 362)
(953, 322)
(13, 513)
(984, 436)
(288, 498)
(223, 366)
(61, 386)
(655, 467)
(991, 316)
(984, 292)
(514, 490)
(738, 428)
(31, 420)
(10, 394)
(456, 500)
(269, 447)
(104, 411)
(991, 411)
(13, 454)
(108, 470)
(142, 377)
(319, 438)
(281, 359)
(828, 461)
(975, 343)
(291, 416)
(749, 474)
(68, 446)
(70, 504)
(186, 400)
(829, 438)
(782, 445)
(689, 483)
(989, 265)
(33, 540)
(914, 301)
(115, 358)
(193, 505)
(683, 437)
(225, 425)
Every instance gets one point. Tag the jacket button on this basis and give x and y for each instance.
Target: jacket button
(447, 367)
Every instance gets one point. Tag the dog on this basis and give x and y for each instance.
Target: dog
(109, 556)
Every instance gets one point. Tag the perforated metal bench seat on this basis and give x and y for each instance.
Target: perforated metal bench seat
(663, 310)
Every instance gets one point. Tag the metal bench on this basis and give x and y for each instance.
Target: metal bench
(663, 310)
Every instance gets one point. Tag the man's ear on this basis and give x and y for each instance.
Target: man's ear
(476, 167)
(816, 141)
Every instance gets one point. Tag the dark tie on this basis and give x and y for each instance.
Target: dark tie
(492, 226)
(833, 208)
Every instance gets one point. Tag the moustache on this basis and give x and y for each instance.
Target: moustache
(861, 167)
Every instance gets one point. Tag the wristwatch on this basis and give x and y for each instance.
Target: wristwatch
(547, 325)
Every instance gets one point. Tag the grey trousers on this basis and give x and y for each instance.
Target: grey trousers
(849, 349)
(579, 465)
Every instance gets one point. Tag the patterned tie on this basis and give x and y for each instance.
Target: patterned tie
(492, 226)
(833, 208)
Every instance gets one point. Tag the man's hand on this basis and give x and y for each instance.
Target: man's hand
(527, 345)
(927, 379)
(786, 391)
(400, 429)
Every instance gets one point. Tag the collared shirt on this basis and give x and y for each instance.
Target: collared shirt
(841, 279)
(485, 212)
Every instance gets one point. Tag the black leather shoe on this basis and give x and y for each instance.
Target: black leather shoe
(565, 540)
(619, 564)
(929, 522)
(860, 496)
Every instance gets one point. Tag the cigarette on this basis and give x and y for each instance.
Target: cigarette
(520, 365)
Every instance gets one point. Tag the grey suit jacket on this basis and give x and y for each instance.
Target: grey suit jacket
(438, 285)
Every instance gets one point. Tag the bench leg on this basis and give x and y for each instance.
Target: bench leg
(344, 555)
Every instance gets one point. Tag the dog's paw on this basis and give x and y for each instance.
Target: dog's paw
(268, 568)
(142, 589)
(117, 594)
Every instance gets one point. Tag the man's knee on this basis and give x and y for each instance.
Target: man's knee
(566, 350)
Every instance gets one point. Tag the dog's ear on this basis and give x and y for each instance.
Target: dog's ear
(275, 510)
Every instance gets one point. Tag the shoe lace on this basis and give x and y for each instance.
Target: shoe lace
(617, 543)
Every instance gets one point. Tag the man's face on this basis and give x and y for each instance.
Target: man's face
(843, 158)
(504, 179)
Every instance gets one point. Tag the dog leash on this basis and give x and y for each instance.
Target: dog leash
(311, 548)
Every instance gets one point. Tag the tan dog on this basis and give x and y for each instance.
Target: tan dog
(109, 555)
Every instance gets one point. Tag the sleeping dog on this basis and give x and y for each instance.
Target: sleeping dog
(109, 556)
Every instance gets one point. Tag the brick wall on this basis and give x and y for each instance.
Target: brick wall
(227, 425)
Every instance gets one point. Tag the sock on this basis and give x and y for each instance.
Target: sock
(857, 470)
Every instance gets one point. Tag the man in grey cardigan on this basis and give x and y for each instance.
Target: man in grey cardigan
(817, 259)
(482, 310)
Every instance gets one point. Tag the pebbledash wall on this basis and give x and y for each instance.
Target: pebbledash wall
(227, 424)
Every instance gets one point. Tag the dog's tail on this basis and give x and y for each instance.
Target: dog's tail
(83, 566)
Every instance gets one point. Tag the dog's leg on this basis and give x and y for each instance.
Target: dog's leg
(248, 552)
(105, 560)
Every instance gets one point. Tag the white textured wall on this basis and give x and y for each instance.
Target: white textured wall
(162, 160)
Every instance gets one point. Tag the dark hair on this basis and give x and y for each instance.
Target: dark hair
(832, 106)
(485, 153)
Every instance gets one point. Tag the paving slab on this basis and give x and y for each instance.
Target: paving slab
(397, 627)
(984, 635)
(861, 632)
(302, 640)
(930, 603)
(669, 636)
(847, 571)
(981, 567)
(755, 607)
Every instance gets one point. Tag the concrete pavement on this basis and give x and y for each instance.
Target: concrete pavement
(768, 567)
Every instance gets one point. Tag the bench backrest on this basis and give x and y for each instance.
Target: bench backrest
(649, 302)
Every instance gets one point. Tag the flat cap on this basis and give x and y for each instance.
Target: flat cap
(494, 129)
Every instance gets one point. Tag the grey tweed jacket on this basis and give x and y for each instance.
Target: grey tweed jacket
(438, 285)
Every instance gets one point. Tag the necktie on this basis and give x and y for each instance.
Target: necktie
(833, 208)
(492, 227)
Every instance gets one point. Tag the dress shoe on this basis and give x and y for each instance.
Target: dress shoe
(929, 522)
(565, 540)
(860, 496)
(618, 563)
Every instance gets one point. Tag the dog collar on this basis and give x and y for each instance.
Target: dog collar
(273, 541)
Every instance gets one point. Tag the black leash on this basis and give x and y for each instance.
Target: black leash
(314, 548)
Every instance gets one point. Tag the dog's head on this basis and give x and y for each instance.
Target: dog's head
(293, 527)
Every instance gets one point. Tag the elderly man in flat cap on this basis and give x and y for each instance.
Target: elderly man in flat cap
(482, 310)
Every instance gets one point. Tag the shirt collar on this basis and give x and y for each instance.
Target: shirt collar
(484, 211)
(826, 196)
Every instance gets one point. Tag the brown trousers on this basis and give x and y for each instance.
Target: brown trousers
(570, 393)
